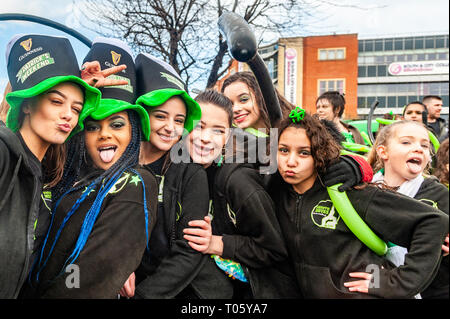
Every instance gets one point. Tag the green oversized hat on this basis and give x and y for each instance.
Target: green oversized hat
(158, 82)
(35, 64)
(111, 52)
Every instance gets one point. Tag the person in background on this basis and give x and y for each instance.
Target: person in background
(441, 170)
(434, 120)
(4, 106)
(413, 111)
(330, 106)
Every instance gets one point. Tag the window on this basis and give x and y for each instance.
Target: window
(412, 98)
(409, 44)
(381, 101)
(361, 102)
(368, 46)
(362, 71)
(370, 100)
(390, 58)
(402, 101)
(398, 44)
(418, 43)
(332, 54)
(378, 45)
(361, 46)
(372, 71)
(442, 56)
(440, 42)
(379, 59)
(429, 43)
(340, 54)
(382, 70)
(392, 101)
(331, 85)
(388, 45)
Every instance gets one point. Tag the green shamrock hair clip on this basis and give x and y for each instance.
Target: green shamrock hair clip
(297, 114)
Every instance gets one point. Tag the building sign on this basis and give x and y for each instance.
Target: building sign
(419, 67)
(290, 75)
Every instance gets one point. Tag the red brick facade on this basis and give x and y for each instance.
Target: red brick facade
(345, 69)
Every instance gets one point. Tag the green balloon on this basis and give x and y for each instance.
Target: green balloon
(354, 222)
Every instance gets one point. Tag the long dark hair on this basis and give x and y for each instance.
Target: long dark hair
(441, 170)
(76, 154)
(249, 79)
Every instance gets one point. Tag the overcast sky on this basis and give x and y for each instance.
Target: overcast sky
(388, 18)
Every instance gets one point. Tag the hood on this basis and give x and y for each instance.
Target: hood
(11, 140)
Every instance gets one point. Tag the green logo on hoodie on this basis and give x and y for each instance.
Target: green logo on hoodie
(324, 215)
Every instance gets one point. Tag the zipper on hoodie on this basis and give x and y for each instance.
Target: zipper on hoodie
(298, 217)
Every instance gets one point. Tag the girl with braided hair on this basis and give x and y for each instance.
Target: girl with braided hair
(104, 208)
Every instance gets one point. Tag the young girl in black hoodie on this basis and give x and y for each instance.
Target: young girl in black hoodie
(400, 155)
(326, 255)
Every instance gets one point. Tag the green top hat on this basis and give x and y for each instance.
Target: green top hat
(109, 53)
(158, 82)
(35, 64)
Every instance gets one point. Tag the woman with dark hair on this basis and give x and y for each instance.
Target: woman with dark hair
(250, 112)
(442, 171)
(339, 266)
(104, 208)
(245, 233)
(171, 268)
(47, 104)
(330, 106)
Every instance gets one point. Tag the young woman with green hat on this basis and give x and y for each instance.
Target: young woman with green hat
(170, 268)
(104, 209)
(48, 101)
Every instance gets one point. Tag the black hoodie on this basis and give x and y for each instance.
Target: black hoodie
(432, 192)
(325, 251)
(244, 215)
(20, 191)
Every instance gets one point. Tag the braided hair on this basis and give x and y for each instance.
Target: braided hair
(104, 183)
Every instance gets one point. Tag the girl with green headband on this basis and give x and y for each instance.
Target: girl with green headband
(244, 239)
(401, 155)
(326, 255)
(47, 102)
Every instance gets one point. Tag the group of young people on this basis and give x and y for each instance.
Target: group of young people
(114, 181)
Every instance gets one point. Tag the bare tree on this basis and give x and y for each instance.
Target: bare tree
(161, 27)
(184, 32)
